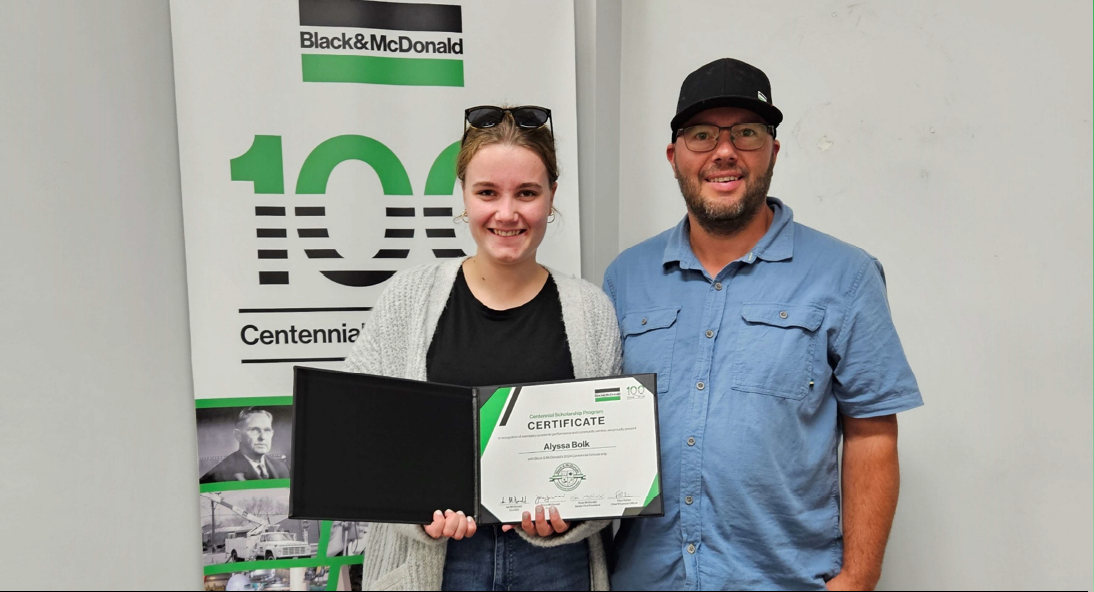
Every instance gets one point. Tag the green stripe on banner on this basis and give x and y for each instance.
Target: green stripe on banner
(489, 414)
(242, 402)
(655, 490)
(332, 577)
(333, 562)
(599, 399)
(238, 485)
(324, 538)
(382, 70)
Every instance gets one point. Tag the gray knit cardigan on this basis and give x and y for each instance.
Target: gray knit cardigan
(394, 343)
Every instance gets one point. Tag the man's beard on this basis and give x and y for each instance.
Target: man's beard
(729, 219)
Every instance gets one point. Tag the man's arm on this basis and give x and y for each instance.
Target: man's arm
(871, 483)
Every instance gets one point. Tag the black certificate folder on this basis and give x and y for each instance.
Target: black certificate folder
(376, 449)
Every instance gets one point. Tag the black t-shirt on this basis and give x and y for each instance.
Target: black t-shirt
(478, 346)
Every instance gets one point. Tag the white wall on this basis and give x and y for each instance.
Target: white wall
(598, 32)
(953, 141)
(97, 442)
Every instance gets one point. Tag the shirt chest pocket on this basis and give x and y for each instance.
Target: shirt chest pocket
(648, 340)
(776, 349)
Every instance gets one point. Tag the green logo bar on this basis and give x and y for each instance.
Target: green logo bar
(382, 70)
(242, 402)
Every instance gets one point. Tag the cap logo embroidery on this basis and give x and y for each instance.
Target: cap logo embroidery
(761, 95)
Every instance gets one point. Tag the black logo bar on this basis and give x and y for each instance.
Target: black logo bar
(311, 211)
(273, 277)
(437, 211)
(284, 360)
(358, 279)
(448, 253)
(272, 233)
(269, 211)
(313, 233)
(322, 254)
(392, 254)
(399, 233)
(399, 212)
(440, 232)
(273, 254)
(369, 14)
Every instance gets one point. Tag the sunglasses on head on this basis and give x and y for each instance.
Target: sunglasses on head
(526, 117)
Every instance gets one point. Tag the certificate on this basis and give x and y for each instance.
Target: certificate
(370, 448)
(589, 448)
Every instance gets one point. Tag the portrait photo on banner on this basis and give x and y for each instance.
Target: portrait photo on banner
(249, 443)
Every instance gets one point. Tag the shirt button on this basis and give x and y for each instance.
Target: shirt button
(710, 333)
(688, 500)
(691, 441)
(783, 315)
(644, 319)
(718, 286)
(691, 548)
(700, 386)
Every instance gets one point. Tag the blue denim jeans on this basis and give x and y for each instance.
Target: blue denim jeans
(496, 560)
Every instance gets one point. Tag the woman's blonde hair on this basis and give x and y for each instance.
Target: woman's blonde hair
(507, 132)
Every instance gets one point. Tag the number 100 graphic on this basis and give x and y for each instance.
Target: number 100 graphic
(263, 165)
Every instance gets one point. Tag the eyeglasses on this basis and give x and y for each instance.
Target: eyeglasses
(743, 136)
(526, 117)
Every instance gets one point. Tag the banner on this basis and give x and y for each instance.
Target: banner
(317, 144)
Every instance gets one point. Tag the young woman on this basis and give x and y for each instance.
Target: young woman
(467, 322)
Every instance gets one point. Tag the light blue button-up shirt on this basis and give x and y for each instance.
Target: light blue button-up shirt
(754, 368)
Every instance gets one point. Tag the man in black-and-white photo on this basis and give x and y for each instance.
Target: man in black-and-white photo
(254, 432)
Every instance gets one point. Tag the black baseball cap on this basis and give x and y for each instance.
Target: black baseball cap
(725, 83)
